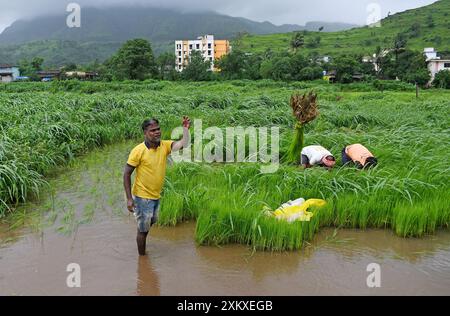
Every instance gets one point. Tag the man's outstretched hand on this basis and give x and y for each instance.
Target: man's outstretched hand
(186, 122)
(130, 206)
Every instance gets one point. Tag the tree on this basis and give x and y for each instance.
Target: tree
(166, 64)
(442, 79)
(399, 44)
(233, 65)
(93, 66)
(313, 42)
(408, 66)
(70, 67)
(310, 73)
(377, 59)
(268, 54)
(297, 63)
(36, 63)
(345, 67)
(281, 68)
(266, 69)
(412, 67)
(414, 30)
(198, 69)
(430, 22)
(134, 61)
(30, 68)
(239, 39)
(420, 76)
(321, 29)
(253, 65)
(297, 41)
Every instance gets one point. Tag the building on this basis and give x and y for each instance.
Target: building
(9, 73)
(49, 75)
(330, 76)
(435, 63)
(81, 75)
(325, 59)
(430, 53)
(210, 49)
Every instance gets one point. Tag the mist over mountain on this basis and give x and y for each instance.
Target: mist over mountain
(103, 30)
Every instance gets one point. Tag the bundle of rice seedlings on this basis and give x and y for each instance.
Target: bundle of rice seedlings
(305, 110)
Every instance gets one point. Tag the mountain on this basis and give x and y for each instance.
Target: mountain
(426, 26)
(121, 23)
(102, 31)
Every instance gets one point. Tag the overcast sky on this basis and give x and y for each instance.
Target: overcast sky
(275, 11)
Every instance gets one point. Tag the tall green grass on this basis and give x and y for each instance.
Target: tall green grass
(407, 192)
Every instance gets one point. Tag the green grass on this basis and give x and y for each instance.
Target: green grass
(408, 192)
(364, 40)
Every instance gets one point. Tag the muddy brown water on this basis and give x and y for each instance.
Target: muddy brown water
(84, 222)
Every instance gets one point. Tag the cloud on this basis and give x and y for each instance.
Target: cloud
(275, 11)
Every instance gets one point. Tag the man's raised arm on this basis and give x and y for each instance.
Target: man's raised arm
(184, 142)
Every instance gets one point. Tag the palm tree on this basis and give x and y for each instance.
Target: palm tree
(298, 40)
(399, 44)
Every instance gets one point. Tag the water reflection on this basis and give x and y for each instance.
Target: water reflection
(329, 247)
(147, 278)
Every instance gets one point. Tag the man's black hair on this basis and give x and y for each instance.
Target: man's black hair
(370, 162)
(329, 157)
(149, 122)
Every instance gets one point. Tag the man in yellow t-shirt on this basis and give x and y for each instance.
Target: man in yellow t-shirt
(149, 160)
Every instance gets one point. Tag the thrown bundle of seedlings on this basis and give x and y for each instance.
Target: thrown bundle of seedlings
(305, 110)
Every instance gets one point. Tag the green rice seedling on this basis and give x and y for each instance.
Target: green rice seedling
(305, 110)
(88, 213)
(172, 211)
(42, 134)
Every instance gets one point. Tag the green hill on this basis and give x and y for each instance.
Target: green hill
(424, 27)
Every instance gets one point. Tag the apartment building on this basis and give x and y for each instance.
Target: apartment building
(210, 49)
(435, 63)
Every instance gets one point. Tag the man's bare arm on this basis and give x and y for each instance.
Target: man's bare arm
(184, 142)
(127, 186)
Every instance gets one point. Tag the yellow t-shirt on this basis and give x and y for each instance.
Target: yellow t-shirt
(150, 169)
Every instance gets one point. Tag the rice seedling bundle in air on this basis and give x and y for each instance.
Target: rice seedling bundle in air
(305, 110)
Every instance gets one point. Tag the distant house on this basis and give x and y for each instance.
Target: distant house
(81, 75)
(9, 73)
(210, 48)
(49, 75)
(435, 63)
(330, 76)
(325, 59)
(357, 77)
